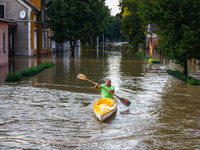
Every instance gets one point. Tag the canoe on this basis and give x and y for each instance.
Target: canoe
(104, 108)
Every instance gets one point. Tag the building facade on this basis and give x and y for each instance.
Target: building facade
(4, 42)
(151, 37)
(29, 35)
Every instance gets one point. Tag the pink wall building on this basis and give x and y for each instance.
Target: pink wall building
(4, 42)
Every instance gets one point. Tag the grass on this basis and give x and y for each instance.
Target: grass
(27, 72)
(179, 75)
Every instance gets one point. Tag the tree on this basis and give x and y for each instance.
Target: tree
(178, 27)
(112, 29)
(100, 15)
(132, 26)
(116, 32)
(73, 20)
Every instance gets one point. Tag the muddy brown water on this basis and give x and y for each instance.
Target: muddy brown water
(53, 109)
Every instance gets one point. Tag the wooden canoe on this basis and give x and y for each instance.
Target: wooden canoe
(104, 108)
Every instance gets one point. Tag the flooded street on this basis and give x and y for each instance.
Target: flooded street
(53, 109)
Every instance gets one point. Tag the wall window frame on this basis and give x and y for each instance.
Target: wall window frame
(42, 40)
(43, 14)
(49, 40)
(46, 44)
(11, 42)
(35, 40)
(35, 18)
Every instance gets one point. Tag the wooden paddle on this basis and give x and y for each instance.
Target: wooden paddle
(123, 100)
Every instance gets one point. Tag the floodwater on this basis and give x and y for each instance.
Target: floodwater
(53, 109)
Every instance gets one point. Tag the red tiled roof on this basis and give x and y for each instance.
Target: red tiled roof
(33, 7)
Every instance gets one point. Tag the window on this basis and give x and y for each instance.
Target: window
(35, 40)
(42, 40)
(49, 43)
(46, 40)
(35, 17)
(42, 14)
(4, 42)
(11, 40)
(2, 11)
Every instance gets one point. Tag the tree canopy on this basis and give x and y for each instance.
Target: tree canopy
(132, 26)
(178, 27)
(73, 20)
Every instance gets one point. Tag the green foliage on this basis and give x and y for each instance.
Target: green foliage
(13, 77)
(193, 81)
(73, 20)
(27, 72)
(149, 59)
(112, 30)
(47, 65)
(99, 19)
(140, 53)
(132, 26)
(152, 60)
(178, 27)
(179, 75)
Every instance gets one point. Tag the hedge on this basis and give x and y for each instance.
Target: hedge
(27, 72)
(149, 59)
(179, 75)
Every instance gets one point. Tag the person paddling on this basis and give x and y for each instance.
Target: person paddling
(110, 89)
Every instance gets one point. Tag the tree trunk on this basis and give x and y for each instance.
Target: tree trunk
(93, 42)
(185, 68)
(72, 44)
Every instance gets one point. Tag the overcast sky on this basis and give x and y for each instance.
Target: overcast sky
(113, 4)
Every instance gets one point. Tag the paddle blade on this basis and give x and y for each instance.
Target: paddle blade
(82, 77)
(125, 102)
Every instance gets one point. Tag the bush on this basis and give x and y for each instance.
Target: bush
(151, 60)
(27, 72)
(13, 77)
(48, 65)
(179, 75)
(139, 53)
(193, 81)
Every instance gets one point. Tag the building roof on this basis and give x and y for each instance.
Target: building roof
(6, 20)
(32, 6)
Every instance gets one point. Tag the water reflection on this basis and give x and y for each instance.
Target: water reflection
(53, 109)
